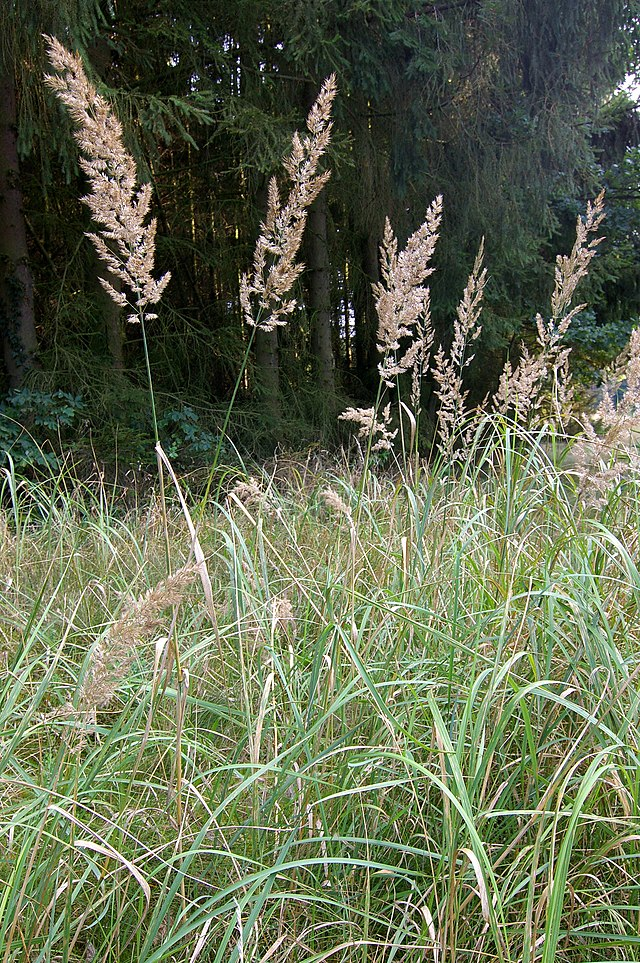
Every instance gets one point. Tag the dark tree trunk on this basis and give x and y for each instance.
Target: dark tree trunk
(366, 320)
(319, 304)
(268, 374)
(111, 315)
(17, 318)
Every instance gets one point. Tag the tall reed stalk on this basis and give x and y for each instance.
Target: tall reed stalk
(125, 242)
(265, 290)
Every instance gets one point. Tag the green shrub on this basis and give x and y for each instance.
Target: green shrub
(184, 437)
(33, 424)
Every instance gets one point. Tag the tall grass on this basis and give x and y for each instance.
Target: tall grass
(418, 738)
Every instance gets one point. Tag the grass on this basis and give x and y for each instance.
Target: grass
(415, 735)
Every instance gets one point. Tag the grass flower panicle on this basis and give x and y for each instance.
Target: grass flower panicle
(126, 242)
(603, 458)
(520, 388)
(572, 268)
(336, 502)
(264, 291)
(113, 655)
(402, 298)
(448, 369)
(370, 427)
(402, 302)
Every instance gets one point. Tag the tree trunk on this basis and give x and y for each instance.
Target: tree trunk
(319, 304)
(111, 314)
(365, 312)
(17, 317)
(268, 374)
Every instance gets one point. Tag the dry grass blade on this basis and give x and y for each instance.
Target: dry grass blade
(196, 547)
(482, 886)
(111, 853)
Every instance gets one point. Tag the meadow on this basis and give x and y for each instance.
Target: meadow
(410, 731)
(377, 709)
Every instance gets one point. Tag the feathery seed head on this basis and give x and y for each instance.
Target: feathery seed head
(403, 307)
(448, 370)
(402, 297)
(113, 656)
(333, 500)
(521, 389)
(365, 418)
(263, 292)
(126, 242)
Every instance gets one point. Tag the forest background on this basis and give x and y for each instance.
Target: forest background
(514, 110)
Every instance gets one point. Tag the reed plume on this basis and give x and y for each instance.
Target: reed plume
(333, 500)
(370, 427)
(520, 388)
(113, 655)
(405, 333)
(403, 299)
(126, 242)
(264, 292)
(448, 370)
(601, 459)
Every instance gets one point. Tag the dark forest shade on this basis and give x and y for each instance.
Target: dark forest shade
(17, 318)
(494, 105)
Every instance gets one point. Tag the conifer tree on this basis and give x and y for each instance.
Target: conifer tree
(23, 126)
